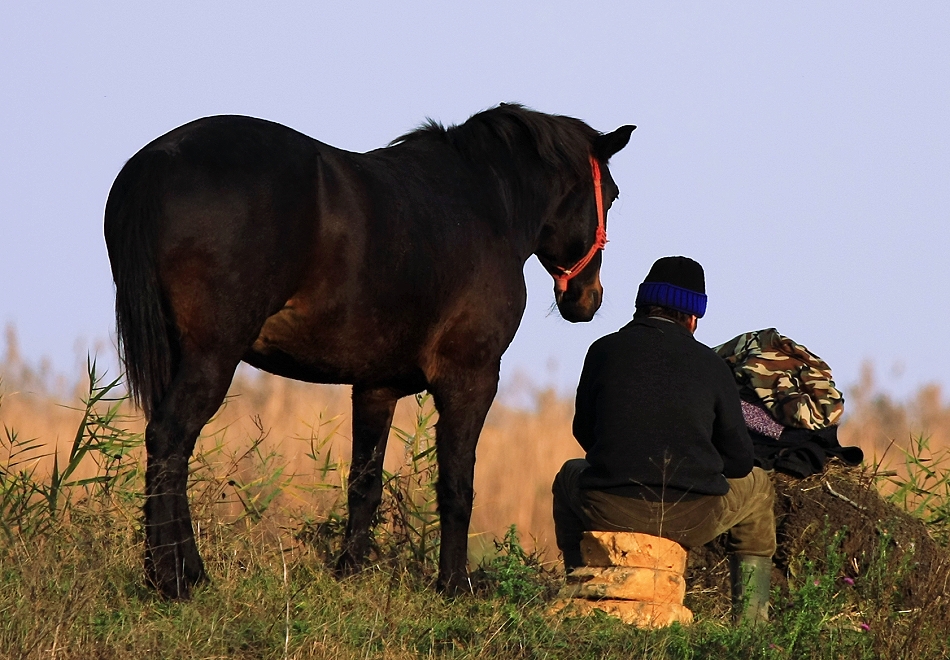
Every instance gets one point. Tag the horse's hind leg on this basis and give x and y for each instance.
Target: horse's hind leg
(373, 410)
(172, 562)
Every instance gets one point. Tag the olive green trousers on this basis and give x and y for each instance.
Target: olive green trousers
(745, 512)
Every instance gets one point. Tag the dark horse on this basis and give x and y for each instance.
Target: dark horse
(395, 271)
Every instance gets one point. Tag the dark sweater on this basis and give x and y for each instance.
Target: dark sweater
(659, 416)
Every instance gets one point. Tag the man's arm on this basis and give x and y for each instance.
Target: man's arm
(730, 435)
(585, 403)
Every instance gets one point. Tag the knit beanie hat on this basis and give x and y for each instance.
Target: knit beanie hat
(677, 283)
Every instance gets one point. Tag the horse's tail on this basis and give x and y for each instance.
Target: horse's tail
(148, 345)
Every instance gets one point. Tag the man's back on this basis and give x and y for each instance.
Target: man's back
(659, 416)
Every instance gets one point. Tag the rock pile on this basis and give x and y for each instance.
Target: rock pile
(635, 577)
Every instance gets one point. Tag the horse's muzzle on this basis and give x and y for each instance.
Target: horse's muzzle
(579, 303)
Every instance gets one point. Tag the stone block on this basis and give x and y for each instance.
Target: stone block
(632, 550)
(632, 612)
(625, 583)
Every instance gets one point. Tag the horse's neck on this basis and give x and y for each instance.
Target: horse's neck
(512, 189)
(530, 199)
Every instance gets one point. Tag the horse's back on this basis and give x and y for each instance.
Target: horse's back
(226, 142)
(215, 163)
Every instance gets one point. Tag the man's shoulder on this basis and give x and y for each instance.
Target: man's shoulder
(707, 351)
(644, 335)
(712, 358)
(602, 345)
(618, 337)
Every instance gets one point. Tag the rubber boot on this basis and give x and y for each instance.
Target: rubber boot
(751, 578)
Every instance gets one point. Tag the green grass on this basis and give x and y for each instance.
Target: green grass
(71, 578)
(81, 591)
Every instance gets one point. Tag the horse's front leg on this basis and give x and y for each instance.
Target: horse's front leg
(373, 410)
(463, 403)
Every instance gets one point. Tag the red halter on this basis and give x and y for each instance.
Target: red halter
(564, 275)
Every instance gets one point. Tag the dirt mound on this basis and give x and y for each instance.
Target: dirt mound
(809, 513)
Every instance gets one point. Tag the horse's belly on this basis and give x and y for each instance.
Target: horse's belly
(331, 350)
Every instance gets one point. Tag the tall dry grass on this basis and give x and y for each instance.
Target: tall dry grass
(519, 452)
(879, 423)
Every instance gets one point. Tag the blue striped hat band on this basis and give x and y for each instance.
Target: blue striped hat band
(672, 296)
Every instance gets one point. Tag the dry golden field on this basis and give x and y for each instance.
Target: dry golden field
(519, 452)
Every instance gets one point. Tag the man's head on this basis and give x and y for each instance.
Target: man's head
(674, 289)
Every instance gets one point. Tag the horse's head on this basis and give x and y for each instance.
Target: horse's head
(575, 233)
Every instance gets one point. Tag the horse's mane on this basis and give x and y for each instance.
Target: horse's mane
(560, 142)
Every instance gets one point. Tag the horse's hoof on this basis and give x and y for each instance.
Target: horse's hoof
(175, 589)
(347, 565)
(170, 589)
(172, 585)
(454, 586)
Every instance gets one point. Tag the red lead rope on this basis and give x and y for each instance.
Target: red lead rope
(564, 275)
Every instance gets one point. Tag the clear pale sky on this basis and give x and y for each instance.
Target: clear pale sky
(800, 152)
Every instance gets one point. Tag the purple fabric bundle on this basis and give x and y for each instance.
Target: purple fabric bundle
(760, 421)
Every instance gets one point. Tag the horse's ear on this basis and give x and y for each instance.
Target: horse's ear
(608, 144)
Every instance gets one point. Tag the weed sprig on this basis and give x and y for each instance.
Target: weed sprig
(922, 487)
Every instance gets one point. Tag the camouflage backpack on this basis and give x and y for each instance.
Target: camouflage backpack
(793, 384)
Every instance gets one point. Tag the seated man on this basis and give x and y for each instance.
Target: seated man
(668, 453)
